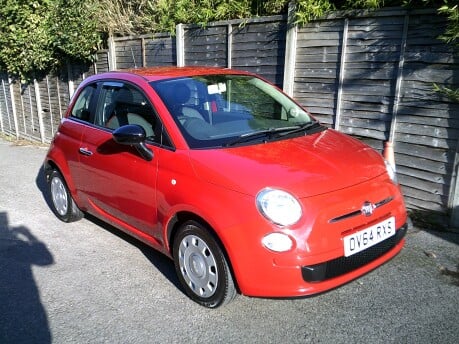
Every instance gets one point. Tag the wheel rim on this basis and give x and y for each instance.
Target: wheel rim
(59, 195)
(198, 266)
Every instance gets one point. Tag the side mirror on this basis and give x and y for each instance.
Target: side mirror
(133, 135)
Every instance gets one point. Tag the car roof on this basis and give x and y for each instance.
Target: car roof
(158, 73)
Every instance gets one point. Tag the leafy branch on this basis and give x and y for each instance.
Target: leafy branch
(451, 36)
(452, 94)
(37, 36)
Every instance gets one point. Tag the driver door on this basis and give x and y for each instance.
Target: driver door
(115, 181)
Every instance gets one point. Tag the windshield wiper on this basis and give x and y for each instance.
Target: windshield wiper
(310, 128)
(259, 134)
(272, 133)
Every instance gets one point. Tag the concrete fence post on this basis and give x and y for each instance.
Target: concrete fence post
(229, 56)
(180, 44)
(143, 51)
(13, 108)
(70, 80)
(50, 107)
(339, 97)
(2, 129)
(398, 86)
(39, 110)
(111, 53)
(290, 51)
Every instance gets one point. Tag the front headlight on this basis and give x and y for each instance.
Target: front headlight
(391, 172)
(279, 206)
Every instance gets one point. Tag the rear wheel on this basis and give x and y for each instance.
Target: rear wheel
(62, 202)
(202, 267)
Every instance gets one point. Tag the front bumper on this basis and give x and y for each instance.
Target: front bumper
(342, 265)
(317, 262)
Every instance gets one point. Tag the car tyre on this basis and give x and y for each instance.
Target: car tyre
(62, 202)
(202, 267)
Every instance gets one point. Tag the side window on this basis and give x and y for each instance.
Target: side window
(121, 104)
(81, 108)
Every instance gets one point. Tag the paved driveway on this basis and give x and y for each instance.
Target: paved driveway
(87, 283)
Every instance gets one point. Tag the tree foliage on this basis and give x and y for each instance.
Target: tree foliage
(452, 31)
(142, 16)
(39, 35)
(74, 29)
(451, 36)
(24, 38)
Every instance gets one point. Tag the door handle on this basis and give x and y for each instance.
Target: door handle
(85, 151)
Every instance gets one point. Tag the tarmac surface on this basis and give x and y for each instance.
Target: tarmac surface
(87, 282)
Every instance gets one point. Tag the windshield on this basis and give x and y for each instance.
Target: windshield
(222, 110)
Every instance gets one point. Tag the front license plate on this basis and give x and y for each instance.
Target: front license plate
(368, 237)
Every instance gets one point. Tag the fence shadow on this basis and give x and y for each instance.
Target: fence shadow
(23, 318)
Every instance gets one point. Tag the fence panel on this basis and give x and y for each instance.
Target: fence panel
(128, 53)
(256, 46)
(53, 108)
(372, 58)
(101, 64)
(206, 46)
(23, 128)
(427, 128)
(259, 47)
(28, 105)
(318, 57)
(142, 51)
(160, 50)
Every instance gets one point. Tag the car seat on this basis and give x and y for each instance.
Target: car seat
(127, 111)
(181, 103)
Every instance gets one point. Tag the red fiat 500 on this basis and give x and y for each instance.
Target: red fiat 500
(222, 172)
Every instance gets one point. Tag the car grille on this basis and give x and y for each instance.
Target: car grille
(342, 265)
(359, 212)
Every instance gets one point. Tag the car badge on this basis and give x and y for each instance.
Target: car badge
(367, 208)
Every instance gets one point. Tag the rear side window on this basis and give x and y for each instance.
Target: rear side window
(81, 109)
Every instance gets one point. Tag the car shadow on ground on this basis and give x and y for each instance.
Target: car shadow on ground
(160, 261)
(23, 319)
(40, 182)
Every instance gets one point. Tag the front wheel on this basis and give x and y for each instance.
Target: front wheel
(62, 202)
(201, 266)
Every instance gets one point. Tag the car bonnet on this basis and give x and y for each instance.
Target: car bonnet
(305, 166)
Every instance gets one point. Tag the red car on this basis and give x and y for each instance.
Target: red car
(228, 176)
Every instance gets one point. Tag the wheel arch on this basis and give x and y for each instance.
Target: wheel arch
(180, 218)
(49, 165)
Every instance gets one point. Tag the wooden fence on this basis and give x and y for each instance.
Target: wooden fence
(368, 74)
